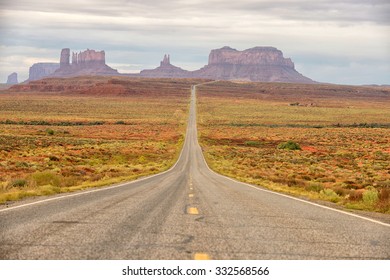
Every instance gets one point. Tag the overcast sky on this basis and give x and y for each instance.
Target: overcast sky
(336, 41)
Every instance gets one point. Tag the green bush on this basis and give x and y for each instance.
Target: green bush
(50, 131)
(370, 196)
(19, 183)
(252, 143)
(314, 187)
(289, 145)
(330, 195)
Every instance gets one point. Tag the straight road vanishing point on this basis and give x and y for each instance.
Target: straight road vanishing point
(187, 212)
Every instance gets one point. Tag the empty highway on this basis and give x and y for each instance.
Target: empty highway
(187, 212)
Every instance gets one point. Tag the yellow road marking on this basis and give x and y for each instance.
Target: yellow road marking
(192, 211)
(201, 256)
(190, 195)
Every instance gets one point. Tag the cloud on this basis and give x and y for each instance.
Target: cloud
(139, 32)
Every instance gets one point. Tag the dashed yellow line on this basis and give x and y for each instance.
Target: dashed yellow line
(201, 256)
(191, 195)
(192, 211)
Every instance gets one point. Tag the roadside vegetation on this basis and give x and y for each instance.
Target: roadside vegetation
(55, 138)
(333, 146)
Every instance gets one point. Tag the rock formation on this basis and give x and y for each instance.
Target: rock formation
(64, 59)
(254, 56)
(166, 61)
(88, 58)
(89, 62)
(12, 79)
(166, 70)
(259, 64)
(40, 70)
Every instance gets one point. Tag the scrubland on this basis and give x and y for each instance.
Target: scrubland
(341, 137)
(322, 142)
(61, 135)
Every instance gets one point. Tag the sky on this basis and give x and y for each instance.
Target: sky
(331, 41)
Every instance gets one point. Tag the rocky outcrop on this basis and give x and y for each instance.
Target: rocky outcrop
(12, 79)
(89, 62)
(64, 58)
(40, 70)
(166, 70)
(259, 64)
(88, 58)
(166, 61)
(255, 56)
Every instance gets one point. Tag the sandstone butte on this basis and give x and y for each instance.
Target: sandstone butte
(89, 62)
(42, 69)
(12, 79)
(259, 64)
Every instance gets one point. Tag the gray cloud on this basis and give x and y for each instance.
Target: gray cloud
(135, 33)
(376, 11)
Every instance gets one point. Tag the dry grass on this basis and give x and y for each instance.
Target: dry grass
(54, 139)
(343, 133)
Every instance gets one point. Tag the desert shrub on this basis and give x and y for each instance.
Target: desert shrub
(289, 145)
(314, 187)
(349, 184)
(384, 194)
(252, 143)
(291, 182)
(71, 181)
(54, 158)
(355, 195)
(50, 131)
(384, 200)
(20, 183)
(96, 123)
(22, 164)
(96, 177)
(370, 196)
(341, 191)
(330, 195)
(120, 122)
(46, 178)
(384, 185)
(49, 189)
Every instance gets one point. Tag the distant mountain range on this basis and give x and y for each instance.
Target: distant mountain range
(259, 64)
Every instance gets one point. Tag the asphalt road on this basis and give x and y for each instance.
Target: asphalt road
(188, 212)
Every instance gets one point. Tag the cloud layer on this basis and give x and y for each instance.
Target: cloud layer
(343, 41)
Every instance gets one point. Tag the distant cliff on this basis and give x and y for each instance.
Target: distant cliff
(89, 62)
(259, 64)
(40, 70)
(12, 79)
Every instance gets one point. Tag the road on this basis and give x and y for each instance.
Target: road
(188, 212)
